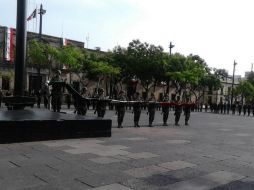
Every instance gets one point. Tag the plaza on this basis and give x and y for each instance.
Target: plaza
(214, 152)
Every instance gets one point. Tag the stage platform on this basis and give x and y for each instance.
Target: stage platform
(37, 125)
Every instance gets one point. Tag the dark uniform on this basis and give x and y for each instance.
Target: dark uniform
(151, 109)
(240, 108)
(178, 111)
(228, 107)
(233, 108)
(101, 104)
(137, 109)
(120, 108)
(56, 92)
(165, 110)
(84, 94)
(248, 109)
(187, 111)
(244, 109)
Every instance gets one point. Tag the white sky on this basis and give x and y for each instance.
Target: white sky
(220, 31)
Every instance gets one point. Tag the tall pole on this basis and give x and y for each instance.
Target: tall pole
(20, 57)
(233, 82)
(40, 29)
(171, 46)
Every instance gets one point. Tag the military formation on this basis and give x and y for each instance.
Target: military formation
(82, 101)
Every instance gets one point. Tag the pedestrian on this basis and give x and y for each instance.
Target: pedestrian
(165, 110)
(120, 108)
(240, 108)
(68, 100)
(228, 107)
(151, 108)
(178, 110)
(137, 108)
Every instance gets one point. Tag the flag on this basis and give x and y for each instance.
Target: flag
(33, 15)
(9, 45)
(65, 42)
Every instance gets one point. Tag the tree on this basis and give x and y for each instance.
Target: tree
(145, 62)
(70, 57)
(37, 58)
(246, 90)
(250, 78)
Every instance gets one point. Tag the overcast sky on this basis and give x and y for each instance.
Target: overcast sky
(220, 31)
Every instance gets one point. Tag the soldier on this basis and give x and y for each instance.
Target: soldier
(120, 108)
(248, 109)
(178, 110)
(56, 92)
(224, 107)
(187, 110)
(244, 109)
(233, 108)
(84, 105)
(136, 109)
(151, 108)
(101, 103)
(165, 110)
(240, 108)
(228, 107)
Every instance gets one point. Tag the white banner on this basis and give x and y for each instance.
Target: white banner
(9, 44)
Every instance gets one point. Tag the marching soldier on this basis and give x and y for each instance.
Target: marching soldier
(233, 108)
(187, 110)
(178, 110)
(84, 105)
(151, 108)
(101, 103)
(228, 107)
(120, 108)
(248, 109)
(165, 110)
(56, 92)
(240, 108)
(244, 109)
(136, 109)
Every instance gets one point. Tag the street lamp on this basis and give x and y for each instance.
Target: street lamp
(233, 81)
(170, 47)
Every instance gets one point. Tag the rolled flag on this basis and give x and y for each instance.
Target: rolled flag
(33, 15)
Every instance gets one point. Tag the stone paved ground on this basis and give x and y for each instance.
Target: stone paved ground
(214, 153)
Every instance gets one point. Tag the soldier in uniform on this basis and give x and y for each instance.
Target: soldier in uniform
(101, 103)
(233, 108)
(84, 94)
(244, 109)
(187, 110)
(248, 108)
(165, 110)
(228, 107)
(178, 110)
(240, 108)
(56, 92)
(151, 108)
(120, 108)
(136, 109)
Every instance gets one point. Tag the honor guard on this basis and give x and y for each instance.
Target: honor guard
(151, 108)
(84, 105)
(165, 110)
(101, 103)
(187, 110)
(178, 110)
(136, 109)
(120, 108)
(56, 92)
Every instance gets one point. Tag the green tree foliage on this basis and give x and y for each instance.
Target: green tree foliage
(250, 78)
(246, 90)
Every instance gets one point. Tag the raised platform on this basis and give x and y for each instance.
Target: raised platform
(38, 125)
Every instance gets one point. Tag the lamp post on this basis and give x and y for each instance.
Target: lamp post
(233, 82)
(171, 46)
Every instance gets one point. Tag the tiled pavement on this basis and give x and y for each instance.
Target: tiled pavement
(214, 153)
